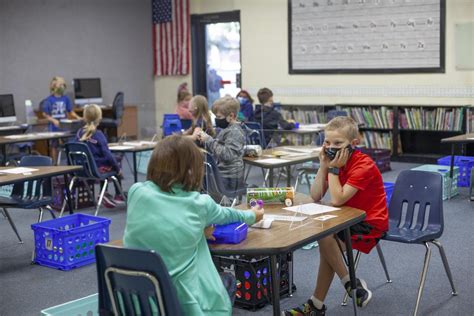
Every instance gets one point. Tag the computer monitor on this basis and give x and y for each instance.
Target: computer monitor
(87, 91)
(7, 108)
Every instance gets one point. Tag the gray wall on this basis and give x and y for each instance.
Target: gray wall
(110, 39)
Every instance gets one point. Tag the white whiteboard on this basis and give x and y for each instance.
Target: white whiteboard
(366, 36)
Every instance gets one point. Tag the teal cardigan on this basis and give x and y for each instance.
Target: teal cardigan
(173, 225)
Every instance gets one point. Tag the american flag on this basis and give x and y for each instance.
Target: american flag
(171, 31)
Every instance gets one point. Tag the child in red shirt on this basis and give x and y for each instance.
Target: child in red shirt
(352, 179)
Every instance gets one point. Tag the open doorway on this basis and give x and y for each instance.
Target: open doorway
(216, 54)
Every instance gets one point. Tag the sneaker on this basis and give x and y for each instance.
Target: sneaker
(363, 294)
(108, 201)
(118, 200)
(307, 309)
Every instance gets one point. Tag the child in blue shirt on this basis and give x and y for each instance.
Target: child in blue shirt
(97, 143)
(55, 107)
(246, 113)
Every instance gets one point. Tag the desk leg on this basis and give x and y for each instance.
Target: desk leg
(68, 194)
(270, 177)
(290, 273)
(48, 148)
(288, 176)
(135, 175)
(4, 153)
(451, 171)
(350, 260)
(275, 285)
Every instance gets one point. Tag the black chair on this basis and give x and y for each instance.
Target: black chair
(213, 182)
(35, 194)
(416, 217)
(134, 282)
(79, 154)
(116, 120)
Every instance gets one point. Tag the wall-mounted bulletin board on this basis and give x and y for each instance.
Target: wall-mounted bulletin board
(366, 36)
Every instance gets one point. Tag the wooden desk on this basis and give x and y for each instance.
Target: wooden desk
(134, 148)
(286, 160)
(41, 172)
(279, 239)
(456, 140)
(30, 137)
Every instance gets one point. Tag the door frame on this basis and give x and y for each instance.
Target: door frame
(198, 44)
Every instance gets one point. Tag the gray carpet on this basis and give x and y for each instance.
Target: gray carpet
(27, 289)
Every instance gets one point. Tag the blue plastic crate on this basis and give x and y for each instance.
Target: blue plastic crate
(86, 306)
(68, 242)
(449, 187)
(230, 234)
(171, 124)
(465, 165)
(388, 186)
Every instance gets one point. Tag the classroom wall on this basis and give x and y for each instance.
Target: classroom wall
(264, 46)
(110, 39)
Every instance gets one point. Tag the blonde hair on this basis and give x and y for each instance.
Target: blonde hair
(92, 117)
(202, 111)
(226, 105)
(344, 125)
(55, 82)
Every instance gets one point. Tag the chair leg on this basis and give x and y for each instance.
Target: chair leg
(101, 196)
(382, 261)
(356, 264)
(446, 265)
(117, 183)
(40, 216)
(308, 181)
(51, 211)
(234, 201)
(3, 213)
(247, 173)
(71, 186)
(423, 277)
(7, 215)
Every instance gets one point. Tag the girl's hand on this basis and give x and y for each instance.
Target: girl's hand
(55, 122)
(259, 211)
(203, 136)
(323, 158)
(208, 231)
(342, 156)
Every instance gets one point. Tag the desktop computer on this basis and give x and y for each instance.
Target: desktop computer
(7, 108)
(87, 90)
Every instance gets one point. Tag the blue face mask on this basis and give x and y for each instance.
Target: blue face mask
(332, 151)
(242, 99)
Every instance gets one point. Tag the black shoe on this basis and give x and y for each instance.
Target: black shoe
(363, 294)
(307, 309)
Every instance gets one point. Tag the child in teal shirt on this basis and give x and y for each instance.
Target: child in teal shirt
(168, 214)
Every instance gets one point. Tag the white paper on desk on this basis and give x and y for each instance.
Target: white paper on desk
(18, 170)
(311, 208)
(121, 147)
(309, 150)
(16, 136)
(271, 161)
(139, 143)
(470, 138)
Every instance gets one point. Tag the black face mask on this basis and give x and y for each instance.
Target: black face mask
(221, 123)
(332, 151)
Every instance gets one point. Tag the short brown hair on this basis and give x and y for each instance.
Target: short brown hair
(226, 105)
(264, 95)
(345, 125)
(176, 160)
(183, 95)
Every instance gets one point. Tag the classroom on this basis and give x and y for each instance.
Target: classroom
(236, 157)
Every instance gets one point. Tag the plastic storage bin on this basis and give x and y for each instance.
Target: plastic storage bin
(171, 124)
(230, 234)
(68, 242)
(388, 186)
(465, 165)
(86, 306)
(444, 171)
(381, 157)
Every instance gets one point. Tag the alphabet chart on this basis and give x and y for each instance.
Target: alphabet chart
(366, 36)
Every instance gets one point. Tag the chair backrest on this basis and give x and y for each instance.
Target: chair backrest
(254, 134)
(186, 124)
(171, 124)
(118, 106)
(79, 154)
(213, 181)
(36, 188)
(133, 281)
(417, 201)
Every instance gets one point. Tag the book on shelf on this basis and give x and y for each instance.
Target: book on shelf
(298, 139)
(433, 119)
(381, 140)
(372, 117)
(304, 116)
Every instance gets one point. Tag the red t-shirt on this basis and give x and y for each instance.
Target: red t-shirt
(361, 173)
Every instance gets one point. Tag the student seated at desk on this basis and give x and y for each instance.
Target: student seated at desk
(169, 215)
(182, 107)
(267, 116)
(55, 107)
(97, 143)
(201, 118)
(246, 106)
(353, 180)
(228, 146)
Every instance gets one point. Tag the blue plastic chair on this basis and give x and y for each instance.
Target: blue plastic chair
(254, 134)
(134, 282)
(35, 194)
(416, 217)
(79, 154)
(213, 182)
(171, 124)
